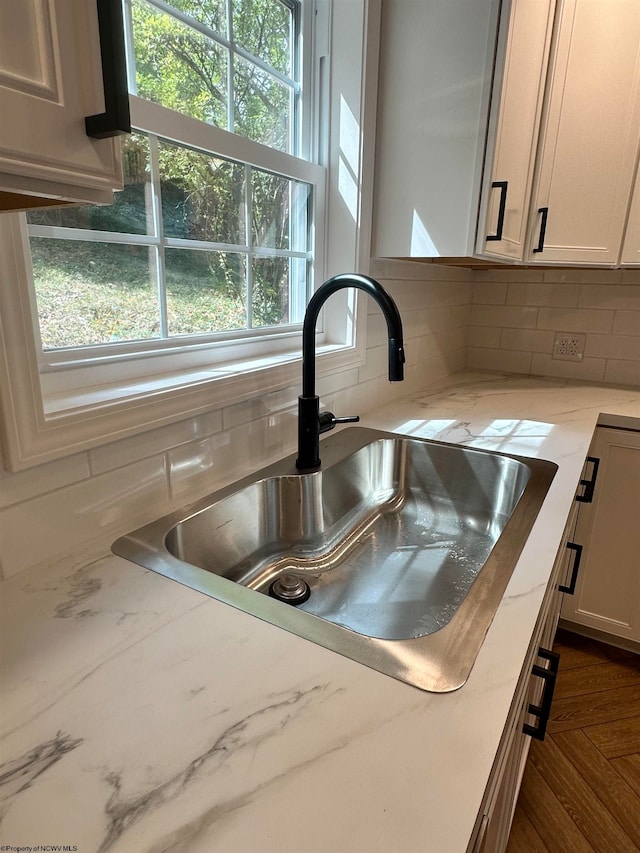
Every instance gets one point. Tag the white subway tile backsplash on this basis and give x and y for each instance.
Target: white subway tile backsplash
(583, 320)
(201, 467)
(339, 381)
(258, 407)
(507, 274)
(45, 478)
(623, 297)
(425, 321)
(490, 293)
(444, 293)
(583, 276)
(604, 304)
(484, 336)
(357, 400)
(590, 369)
(626, 323)
(120, 453)
(505, 316)
(375, 363)
(625, 347)
(630, 276)
(541, 294)
(622, 372)
(94, 511)
(193, 469)
(424, 373)
(530, 340)
(499, 359)
(443, 317)
(376, 328)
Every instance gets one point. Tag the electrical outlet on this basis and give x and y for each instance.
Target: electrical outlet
(568, 346)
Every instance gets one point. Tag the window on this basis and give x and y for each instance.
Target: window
(303, 201)
(197, 244)
(194, 245)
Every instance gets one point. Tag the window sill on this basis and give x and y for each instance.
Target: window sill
(222, 386)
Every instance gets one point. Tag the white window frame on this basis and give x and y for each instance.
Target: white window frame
(45, 418)
(76, 368)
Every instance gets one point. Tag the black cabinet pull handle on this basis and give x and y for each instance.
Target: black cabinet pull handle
(570, 588)
(502, 185)
(543, 710)
(589, 485)
(544, 212)
(116, 118)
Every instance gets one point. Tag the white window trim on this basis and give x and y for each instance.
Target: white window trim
(38, 428)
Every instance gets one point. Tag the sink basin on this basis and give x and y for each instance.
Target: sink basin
(396, 553)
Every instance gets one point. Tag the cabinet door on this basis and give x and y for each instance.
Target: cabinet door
(503, 788)
(607, 596)
(631, 246)
(436, 65)
(519, 93)
(50, 79)
(590, 138)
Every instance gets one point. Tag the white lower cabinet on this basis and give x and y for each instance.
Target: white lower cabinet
(529, 712)
(607, 590)
(595, 584)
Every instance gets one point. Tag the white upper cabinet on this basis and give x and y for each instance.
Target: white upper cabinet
(50, 80)
(518, 98)
(556, 150)
(589, 141)
(436, 65)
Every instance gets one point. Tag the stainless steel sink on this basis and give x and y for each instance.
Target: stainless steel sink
(396, 553)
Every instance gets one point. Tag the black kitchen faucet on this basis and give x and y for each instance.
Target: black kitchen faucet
(310, 422)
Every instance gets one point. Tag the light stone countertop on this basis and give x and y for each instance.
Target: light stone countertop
(138, 715)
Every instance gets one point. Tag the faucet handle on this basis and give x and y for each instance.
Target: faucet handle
(327, 420)
(347, 419)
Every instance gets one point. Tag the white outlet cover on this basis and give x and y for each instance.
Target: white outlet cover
(569, 346)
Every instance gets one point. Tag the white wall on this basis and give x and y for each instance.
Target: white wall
(75, 507)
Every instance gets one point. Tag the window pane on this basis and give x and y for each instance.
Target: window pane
(270, 210)
(270, 292)
(91, 293)
(273, 199)
(178, 67)
(206, 291)
(262, 106)
(212, 13)
(203, 197)
(263, 27)
(130, 212)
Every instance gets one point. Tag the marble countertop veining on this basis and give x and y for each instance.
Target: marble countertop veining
(138, 715)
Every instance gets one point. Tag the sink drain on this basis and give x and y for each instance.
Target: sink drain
(291, 589)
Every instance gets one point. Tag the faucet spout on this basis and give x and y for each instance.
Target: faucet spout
(310, 422)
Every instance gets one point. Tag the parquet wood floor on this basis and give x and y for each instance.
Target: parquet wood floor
(581, 787)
